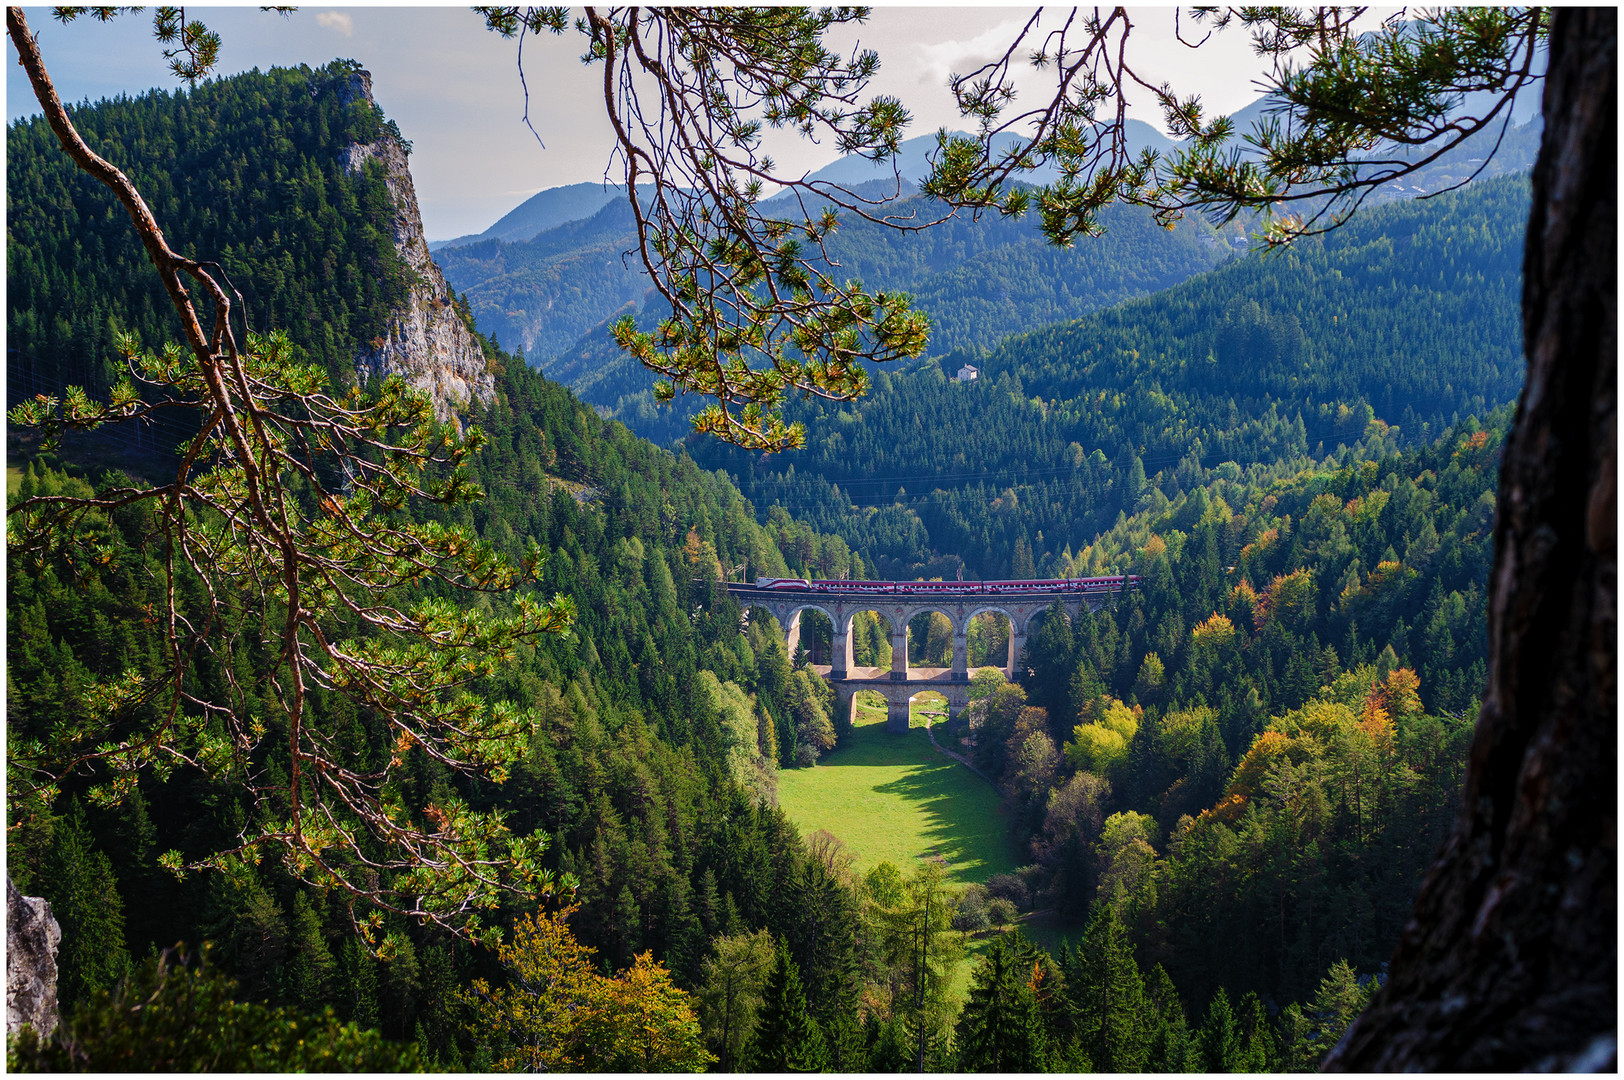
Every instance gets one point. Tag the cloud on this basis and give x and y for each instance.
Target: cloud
(936, 61)
(336, 20)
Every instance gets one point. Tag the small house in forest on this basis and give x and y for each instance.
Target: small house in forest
(967, 373)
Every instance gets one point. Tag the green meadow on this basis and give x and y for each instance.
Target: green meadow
(894, 798)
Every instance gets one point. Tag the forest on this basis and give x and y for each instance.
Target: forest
(982, 278)
(1395, 327)
(1228, 782)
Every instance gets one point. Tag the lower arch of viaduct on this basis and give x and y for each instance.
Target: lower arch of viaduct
(903, 682)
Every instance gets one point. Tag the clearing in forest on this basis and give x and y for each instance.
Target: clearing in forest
(894, 798)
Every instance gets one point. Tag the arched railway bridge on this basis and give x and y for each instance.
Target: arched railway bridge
(899, 601)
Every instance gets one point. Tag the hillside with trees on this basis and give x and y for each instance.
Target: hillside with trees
(980, 279)
(1382, 334)
(247, 171)
(1230, 780)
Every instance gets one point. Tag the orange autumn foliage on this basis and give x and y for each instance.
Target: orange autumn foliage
(1289, 596)
(1227, 810)
(1217, 631)
(1377, 724)
(1400, 693)
(1266, 749)
(1261, 544)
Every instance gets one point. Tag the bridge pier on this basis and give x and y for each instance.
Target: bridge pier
(840, 663)
(896, 717)
(1017, 643)
(899, 655)
(961, 652)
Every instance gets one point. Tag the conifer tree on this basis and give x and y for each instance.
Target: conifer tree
(731, 995)
(1261, 1049)
(1338, 1000)
(1170, 1048)
(1000, 1029)
(1109, 993)
(1221, 1042)
(787, 1038)
(77, 880)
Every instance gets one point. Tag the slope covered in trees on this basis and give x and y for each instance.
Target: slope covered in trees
(979, 280)
(651, 772)
(243, 171)
(1235, 772)
(1406, 318)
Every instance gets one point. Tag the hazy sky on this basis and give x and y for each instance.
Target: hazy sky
(454, 88)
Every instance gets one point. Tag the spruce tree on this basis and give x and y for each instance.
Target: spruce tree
(1260, 1047)
(1221, 1041)
(77, 880)
(1170, 1048)
(1000, 1029)
(1109, 993)
(787, 1038)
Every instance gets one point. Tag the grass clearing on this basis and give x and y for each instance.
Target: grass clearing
(894, 798)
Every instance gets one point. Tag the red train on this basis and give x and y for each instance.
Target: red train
(917, 588)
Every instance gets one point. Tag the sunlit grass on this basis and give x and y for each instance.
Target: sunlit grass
(894, 798)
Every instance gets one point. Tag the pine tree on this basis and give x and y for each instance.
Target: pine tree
(787, 1038)
(1221, 1041)
(1170, 1048)
(307, 978)
(1261, 1049)
(730, 997)
(1339, 999)
(359, 980)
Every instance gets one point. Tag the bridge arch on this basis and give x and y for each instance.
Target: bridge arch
(871, 658)
(789, 620)
(956, 623)
(1014, 630)
(840, 601)
(1034, 619)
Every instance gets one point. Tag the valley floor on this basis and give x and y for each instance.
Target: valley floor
(895, 798)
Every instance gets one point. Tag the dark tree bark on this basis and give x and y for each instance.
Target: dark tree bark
(1509, 960)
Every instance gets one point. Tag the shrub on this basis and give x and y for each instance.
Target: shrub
(1001, 912)
(972, 910)
(1009, 887)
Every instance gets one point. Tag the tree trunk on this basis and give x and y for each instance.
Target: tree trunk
(1509, 960)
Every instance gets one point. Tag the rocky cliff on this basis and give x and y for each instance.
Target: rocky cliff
(32, 936)
(426, 342)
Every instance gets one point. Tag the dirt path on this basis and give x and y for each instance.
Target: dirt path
(956, 757)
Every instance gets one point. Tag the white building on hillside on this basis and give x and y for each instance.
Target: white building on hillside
(967, 373)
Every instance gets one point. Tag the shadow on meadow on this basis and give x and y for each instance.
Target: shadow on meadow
(893, 796)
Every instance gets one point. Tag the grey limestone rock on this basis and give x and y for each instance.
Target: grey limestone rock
(426, 342)
(32, 936)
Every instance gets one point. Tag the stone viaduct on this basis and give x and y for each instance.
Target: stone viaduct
(959, 601)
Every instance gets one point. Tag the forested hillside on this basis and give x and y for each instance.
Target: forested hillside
(980, 280)
(243, 171)
(652, 772)
(1243, 768)
(1227, 782)
(1406, 317)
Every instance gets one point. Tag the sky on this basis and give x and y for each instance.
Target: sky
(454, 87)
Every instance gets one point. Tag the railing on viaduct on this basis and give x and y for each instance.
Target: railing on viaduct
(900, 601)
